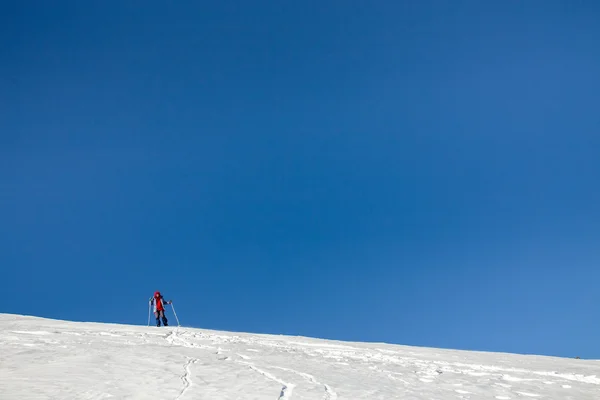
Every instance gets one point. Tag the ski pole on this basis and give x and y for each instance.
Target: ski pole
(174, 313)
(149, 307)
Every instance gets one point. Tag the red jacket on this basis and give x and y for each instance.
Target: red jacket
(159, 302)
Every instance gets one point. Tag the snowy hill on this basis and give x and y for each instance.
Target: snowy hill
(48, 359)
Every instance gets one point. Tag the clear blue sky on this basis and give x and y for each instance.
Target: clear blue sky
(423, 173)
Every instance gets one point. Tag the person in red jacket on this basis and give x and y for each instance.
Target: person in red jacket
(159, 308)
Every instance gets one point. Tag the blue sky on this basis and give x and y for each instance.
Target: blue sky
(423, 173)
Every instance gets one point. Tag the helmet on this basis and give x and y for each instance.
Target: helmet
(157, 294)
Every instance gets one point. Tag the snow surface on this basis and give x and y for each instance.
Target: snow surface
(49, 359)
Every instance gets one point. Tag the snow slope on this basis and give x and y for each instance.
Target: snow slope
(49, 359)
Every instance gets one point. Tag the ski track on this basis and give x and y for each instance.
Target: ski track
(426, 370)
(330, 394)
(500, 372)
(186, 377)
(173, 337)
(170, 338)
(344, 352)
(503, 377)
(287, 388)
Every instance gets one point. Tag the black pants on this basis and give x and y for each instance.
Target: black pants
(161, 314)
